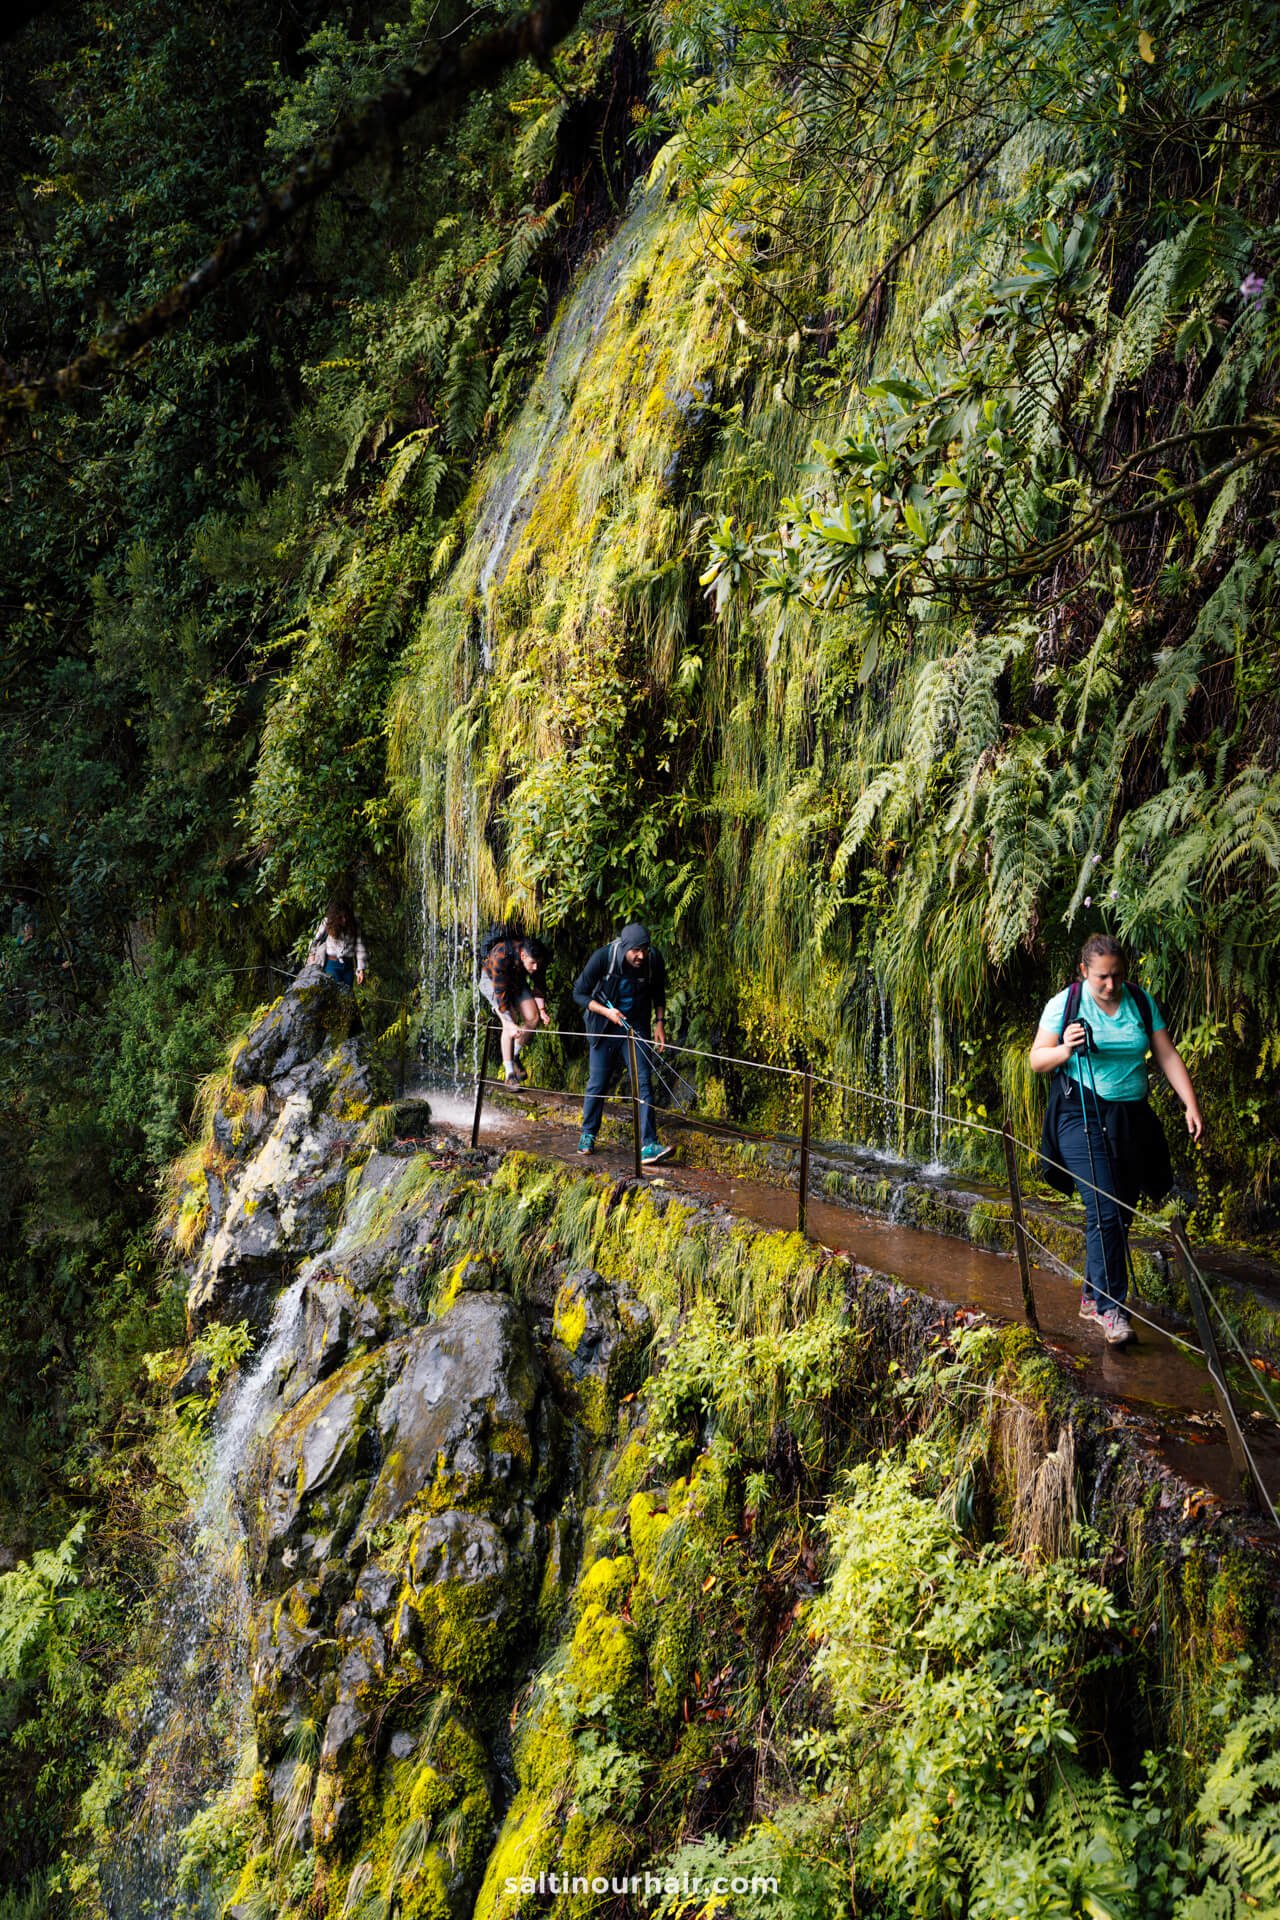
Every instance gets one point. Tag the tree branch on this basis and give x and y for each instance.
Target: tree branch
(532, 36)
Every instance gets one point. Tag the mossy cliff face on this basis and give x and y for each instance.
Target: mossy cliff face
(840, 802)
(557, 1573)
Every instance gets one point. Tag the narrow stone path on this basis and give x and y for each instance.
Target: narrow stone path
(1157, 1390)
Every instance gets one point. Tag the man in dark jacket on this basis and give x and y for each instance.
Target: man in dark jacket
(623, 985)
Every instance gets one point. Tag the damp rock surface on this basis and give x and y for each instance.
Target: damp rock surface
(288, 1128)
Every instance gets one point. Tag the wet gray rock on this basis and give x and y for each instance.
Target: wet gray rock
(336, 1323)
(291, 1653)
(449, 1414)
(412, 1118)
(458, 1422)
(321, 1459)
(290, 1133)
(313, 1016)
(284, 1206)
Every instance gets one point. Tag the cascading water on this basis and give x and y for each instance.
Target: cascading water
(891, 1133)
(937, 1090)
(449, 872)
(449, 928)
(199, 1728)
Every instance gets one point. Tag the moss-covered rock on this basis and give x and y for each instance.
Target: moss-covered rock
(460, 1423)
(467, 1596)
(599, 1334)
(320, 1462)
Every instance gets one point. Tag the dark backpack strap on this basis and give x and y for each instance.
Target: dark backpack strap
(1069, 1013)
(1142, 1000)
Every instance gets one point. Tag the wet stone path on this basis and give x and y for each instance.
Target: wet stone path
(1158, 1392)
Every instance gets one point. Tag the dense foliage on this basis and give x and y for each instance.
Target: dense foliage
(867, 574)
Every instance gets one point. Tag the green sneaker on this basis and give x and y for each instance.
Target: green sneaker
(586, 1142)
(653, 1154)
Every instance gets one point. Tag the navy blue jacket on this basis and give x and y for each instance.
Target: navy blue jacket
(601, 978)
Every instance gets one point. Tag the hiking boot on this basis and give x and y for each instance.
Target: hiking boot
(1088, 1307)
(586, 1142)
(653, 1154)
(515, 1075)
(1116, 1330)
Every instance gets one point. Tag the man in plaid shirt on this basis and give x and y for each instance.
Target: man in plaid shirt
(513, 980)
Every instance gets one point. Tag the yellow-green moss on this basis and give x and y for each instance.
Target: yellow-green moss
(466, 1626)
(605, 1661)
(569, 1319)
(608, 1581)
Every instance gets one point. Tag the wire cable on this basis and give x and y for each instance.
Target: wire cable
(1255, 1377)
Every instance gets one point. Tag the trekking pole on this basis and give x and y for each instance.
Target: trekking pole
(635, 1096)
(1093, 1179)
(668, 1076)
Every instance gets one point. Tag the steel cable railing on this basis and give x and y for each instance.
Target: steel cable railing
(940, 1120)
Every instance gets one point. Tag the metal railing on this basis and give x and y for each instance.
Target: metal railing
(1199, 1290)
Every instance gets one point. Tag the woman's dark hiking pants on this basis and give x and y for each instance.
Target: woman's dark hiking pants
(1106, 1272)
(608, 1062)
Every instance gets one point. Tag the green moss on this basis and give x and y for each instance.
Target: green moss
(466, 1626)
(648, 1517)
(569, 1321)
(607, 1582)
(529, 1843)
(473, 1273)
(605, 1660)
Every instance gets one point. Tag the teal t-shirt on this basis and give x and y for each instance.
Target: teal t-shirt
(1119, 1056)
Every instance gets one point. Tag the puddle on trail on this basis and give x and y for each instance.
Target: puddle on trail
(1159, 1392)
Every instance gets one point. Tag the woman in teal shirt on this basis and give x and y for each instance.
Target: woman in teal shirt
(1103, 1121)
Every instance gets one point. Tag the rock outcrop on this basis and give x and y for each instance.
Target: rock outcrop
(409, 1479)
(288, 1131)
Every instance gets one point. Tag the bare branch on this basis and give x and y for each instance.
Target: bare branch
(532, 36)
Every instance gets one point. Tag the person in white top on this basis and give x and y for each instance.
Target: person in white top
(337, 945)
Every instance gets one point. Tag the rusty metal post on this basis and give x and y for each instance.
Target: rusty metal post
(1226, 1406)
(635, 1100)
(806, 1121)
(1019, 1230)
(480, 1080)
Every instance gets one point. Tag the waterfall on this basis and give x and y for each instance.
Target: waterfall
(449, 859)
(937, 1089)
(198, 1728)
(886, 1068)
(449, 928)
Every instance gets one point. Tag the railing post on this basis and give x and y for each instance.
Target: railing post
(806, 1121)
(635, 1100)
(480, 1080)
(1019, 1230)
(1226, 1406)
